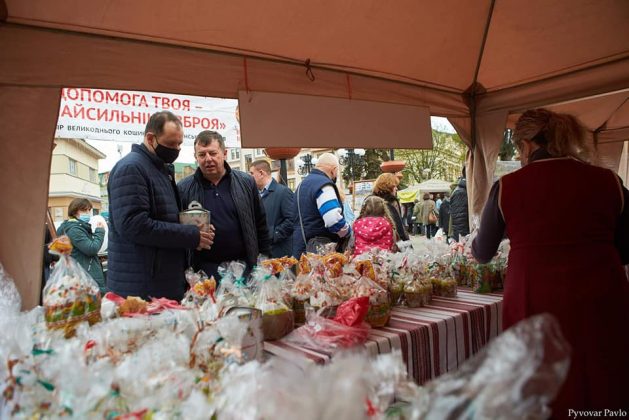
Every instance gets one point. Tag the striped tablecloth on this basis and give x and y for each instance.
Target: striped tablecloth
(433, 339)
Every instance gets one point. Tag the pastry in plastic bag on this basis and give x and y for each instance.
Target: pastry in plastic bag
(444, 286)
(277, 318)
(346, 330)
(379, 304)
(71, 296)
(277, 265)
(201, 288)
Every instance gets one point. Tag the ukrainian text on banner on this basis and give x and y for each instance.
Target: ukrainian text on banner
(99, 114)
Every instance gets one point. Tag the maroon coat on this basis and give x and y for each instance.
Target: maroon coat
(563, 261)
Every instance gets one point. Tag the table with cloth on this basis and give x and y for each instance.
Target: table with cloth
(433, 339)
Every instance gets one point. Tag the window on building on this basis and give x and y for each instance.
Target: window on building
(234, 153)
(248, 161)
(93, 175)
(259, 152)
(72, 167)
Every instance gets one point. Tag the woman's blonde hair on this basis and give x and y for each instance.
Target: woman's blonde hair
(560, 134)
(385, 183)
(374, 206)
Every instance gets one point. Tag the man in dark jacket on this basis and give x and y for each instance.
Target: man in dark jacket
(234, 203)
(147, 245)
(460, 225)
(318, 208)
(444, 213)
(278, 204)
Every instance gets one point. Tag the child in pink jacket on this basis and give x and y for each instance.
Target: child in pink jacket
(373, 228)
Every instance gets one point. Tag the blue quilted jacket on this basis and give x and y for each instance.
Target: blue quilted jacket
(147, 245)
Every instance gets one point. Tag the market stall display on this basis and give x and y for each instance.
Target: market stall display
(187, 351)
(71, 295)
(179, 363)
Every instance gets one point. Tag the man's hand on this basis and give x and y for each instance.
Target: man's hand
(206, 236)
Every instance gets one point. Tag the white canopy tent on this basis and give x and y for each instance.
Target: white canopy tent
(415, 192)
(473, 62)
(434, 185)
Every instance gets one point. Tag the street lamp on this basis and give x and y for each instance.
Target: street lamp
(308, 163)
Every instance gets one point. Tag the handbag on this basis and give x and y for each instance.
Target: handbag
(432, 218)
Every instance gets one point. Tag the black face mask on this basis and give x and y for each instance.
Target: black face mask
(167, 154)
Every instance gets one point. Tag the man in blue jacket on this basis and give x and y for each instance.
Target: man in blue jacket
(147, 245)
(278, 204)
(233, 200)
(319, 212)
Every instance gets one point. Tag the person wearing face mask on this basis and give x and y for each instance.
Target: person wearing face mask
(318, 207)
(233, 200)
(559, 265)
(147, 244)
(85, 242)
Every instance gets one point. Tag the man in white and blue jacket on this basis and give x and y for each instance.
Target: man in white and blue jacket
(318, 206)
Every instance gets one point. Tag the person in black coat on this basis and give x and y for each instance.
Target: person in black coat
(236, 212)
(444, 213)
(459, 211)
(147, 244)
(278, 203)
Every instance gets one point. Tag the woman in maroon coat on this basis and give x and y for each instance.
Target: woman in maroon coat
(566, 257)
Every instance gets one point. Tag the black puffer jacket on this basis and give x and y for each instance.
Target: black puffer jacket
(444, 215)
(147, 245)
(459, 211)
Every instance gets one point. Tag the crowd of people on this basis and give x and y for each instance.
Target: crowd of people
(252, 215)
(556, 264)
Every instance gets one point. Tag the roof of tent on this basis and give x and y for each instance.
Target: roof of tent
(434, 185)
(473, 62)
(411, 193)
(511, 48)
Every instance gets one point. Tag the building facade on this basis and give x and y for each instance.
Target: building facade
(73, 174)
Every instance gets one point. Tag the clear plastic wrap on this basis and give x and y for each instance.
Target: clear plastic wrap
(301, 291)
(10, 300)
(379, 302)
(411, 272)
(233, 289)
(287, 280)
(71, 296)
(278, 265)
(516, 376)
(334, 264)
(353, 386)
(347, 329)
(201, 288)
(277, 318)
